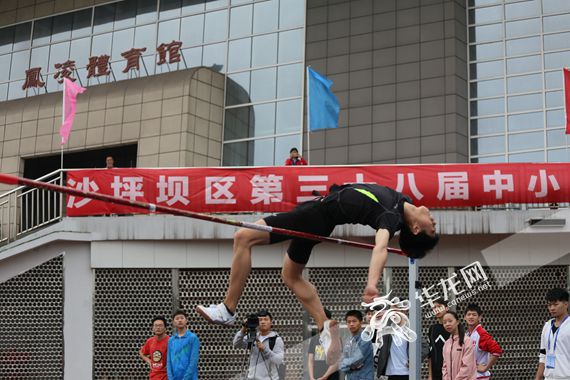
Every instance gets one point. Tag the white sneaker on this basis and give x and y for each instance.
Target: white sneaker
(217, 314)
(329, 339)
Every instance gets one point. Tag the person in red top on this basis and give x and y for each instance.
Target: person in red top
(295, 158)
(487, 350)
(154, 350)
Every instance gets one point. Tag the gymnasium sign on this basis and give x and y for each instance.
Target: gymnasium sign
(276, 189)
(100, 65)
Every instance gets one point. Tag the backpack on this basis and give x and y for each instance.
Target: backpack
(282, 368)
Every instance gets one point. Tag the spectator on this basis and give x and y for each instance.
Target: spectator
(393, 360)
(437, 336)
(267, 348)
(154, 350)
(357, 354)
(487, 350)
(183, 350)
(554, 358)
(317, 363)
(458, 351)
(295, 158)
(109, 162)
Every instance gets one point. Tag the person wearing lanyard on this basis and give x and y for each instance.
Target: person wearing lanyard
(554, 358)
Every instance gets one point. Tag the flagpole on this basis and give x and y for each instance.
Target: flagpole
(62, 121)
(308, 117)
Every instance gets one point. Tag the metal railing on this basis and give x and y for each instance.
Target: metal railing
(23, 209)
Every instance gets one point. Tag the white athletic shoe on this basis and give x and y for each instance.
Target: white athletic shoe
(217, 314)
(329, 339)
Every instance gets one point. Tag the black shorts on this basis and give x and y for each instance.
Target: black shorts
(310, 217)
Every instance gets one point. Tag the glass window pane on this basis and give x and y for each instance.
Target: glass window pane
(556, 137)
(22, 34)
(59, 53)
(486, 33)
(237, 123)
(487, 69)
(523, 46)
(556, 23)
(527, 157)
(42, 31)
(289, 116)
(40, 58)
(5, 64)
(291, 13)
(145, 36)
(522, 9)
(125, 14)
(20, 63)
(525, 141)
(146, 11)
(263, 84)
(239, 54)
(487, 107)
(283, 145)
(263, 152)
(556, 60)
(193, 56)
(486, 51)
(241, 21)
(523, 28)
(15, 90)
(554, 99)
(122, 42)
(524, 103)
(488, 125)
(557, 41)
(264, 51)
(81, 23)
(289, 81)
(236, 154)
(79, 53)
(524, 83)
(291, 45)
(481, 89)
(170, 8)
(6, 40)
(265, 16)
(237, 89)
(3, 92)
(215, 57)
(553, 80)
(216, 26)
(216, 4)
(104, 18)
(555, 6)
(524, 64)
(478, 3)
(192, 6)
(101, 44)
(192, 30)
(486, 15)
(263, 119)
(525, 121)
(559, 155)
(490, 159)
(555, 118)
(168, 31)
(488, 145)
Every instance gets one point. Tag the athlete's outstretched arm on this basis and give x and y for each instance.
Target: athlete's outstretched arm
(377, 263)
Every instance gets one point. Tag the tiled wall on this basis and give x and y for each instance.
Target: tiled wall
(400, 74)
(14, 11)
(175, 118)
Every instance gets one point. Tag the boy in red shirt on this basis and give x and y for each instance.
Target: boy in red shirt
(154, 350)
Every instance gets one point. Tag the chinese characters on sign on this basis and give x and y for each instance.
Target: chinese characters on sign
(100, 65)
(276, 189)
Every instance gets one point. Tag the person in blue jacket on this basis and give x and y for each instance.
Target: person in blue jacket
(357, 355)
(183, 350)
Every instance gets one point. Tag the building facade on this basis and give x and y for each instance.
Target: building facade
(183, 83)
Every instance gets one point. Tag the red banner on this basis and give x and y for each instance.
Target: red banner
(275, 189)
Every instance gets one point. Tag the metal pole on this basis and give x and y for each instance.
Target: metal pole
(415, 321)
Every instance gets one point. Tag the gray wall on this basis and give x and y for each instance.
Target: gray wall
(400, 74)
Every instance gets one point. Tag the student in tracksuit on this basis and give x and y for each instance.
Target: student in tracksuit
(458, 351)
(487, 350)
